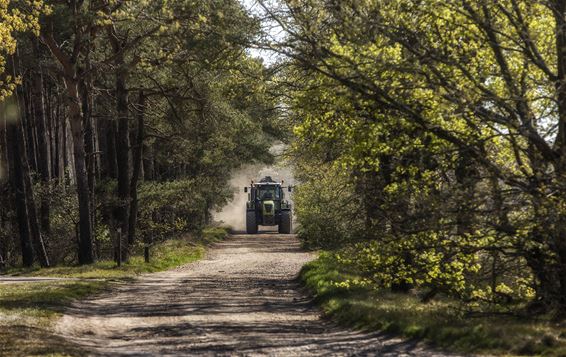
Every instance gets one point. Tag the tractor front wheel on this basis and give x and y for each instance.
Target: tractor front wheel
(285, 224)
(251, 223)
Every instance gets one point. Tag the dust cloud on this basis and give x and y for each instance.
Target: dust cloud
(233, 214)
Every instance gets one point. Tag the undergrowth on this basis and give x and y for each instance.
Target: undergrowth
(441, 323)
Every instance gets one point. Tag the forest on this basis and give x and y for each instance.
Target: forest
(430, 138)
(427, 138)
(116, 117)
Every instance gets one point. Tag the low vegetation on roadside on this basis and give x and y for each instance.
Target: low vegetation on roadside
(442, 322)
(165, 255)
(28, 311)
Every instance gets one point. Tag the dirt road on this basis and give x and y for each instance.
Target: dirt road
(242, 300)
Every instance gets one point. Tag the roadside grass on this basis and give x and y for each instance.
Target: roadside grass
(163, 256)
(28, 311)
(441, 323)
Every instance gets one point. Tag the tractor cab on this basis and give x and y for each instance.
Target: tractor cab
(267, 206)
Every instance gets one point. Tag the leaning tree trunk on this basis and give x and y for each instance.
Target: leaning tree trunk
(71, 79)
(33, 221)
(24, 175)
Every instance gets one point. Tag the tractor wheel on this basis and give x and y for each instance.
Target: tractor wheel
(285, 224)
(251, 223)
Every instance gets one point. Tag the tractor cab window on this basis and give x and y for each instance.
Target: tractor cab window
(269, 192)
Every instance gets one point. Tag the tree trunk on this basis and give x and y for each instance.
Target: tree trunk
(22, 169)
(467, 178)
(86, 252)
(25, 98)
(110, 150)
(148, 165)
(44, 164)
(87, 103)
(123, 153)
(62, 144)
(33, 221)
(16, 177)
(137, 158)
(3, 149)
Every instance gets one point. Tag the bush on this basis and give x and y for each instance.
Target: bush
(169, 208)
(326, 208)
(442, 322)
(165, 210)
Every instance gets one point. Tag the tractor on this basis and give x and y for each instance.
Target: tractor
(267, 206)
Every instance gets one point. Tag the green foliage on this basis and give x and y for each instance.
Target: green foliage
(441, 322)
(163, 255)
(214, 234)
(212, 113)
(327, 209)
(15, 17)
(437, 119)
(206, 111)
(170, 208)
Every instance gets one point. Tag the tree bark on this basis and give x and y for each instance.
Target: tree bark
(71, 79)
(122, 141)
(23, 172)
(148, 164)
(33, 221)
(89, 133)
(86, 252)
(29, 124)
(137, 158)
(44, 154)
(17, 180)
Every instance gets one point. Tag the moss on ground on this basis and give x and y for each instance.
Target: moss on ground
(441, 323)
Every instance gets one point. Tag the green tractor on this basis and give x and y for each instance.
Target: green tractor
(266, 206)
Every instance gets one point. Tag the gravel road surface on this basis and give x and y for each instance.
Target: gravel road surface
(243, 299)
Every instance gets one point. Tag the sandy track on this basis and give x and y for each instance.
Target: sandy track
(243, 299)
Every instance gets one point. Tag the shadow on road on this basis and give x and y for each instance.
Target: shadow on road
(243, 299)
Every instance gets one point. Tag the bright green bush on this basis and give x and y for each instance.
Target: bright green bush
(326, 210)
(441, 322)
